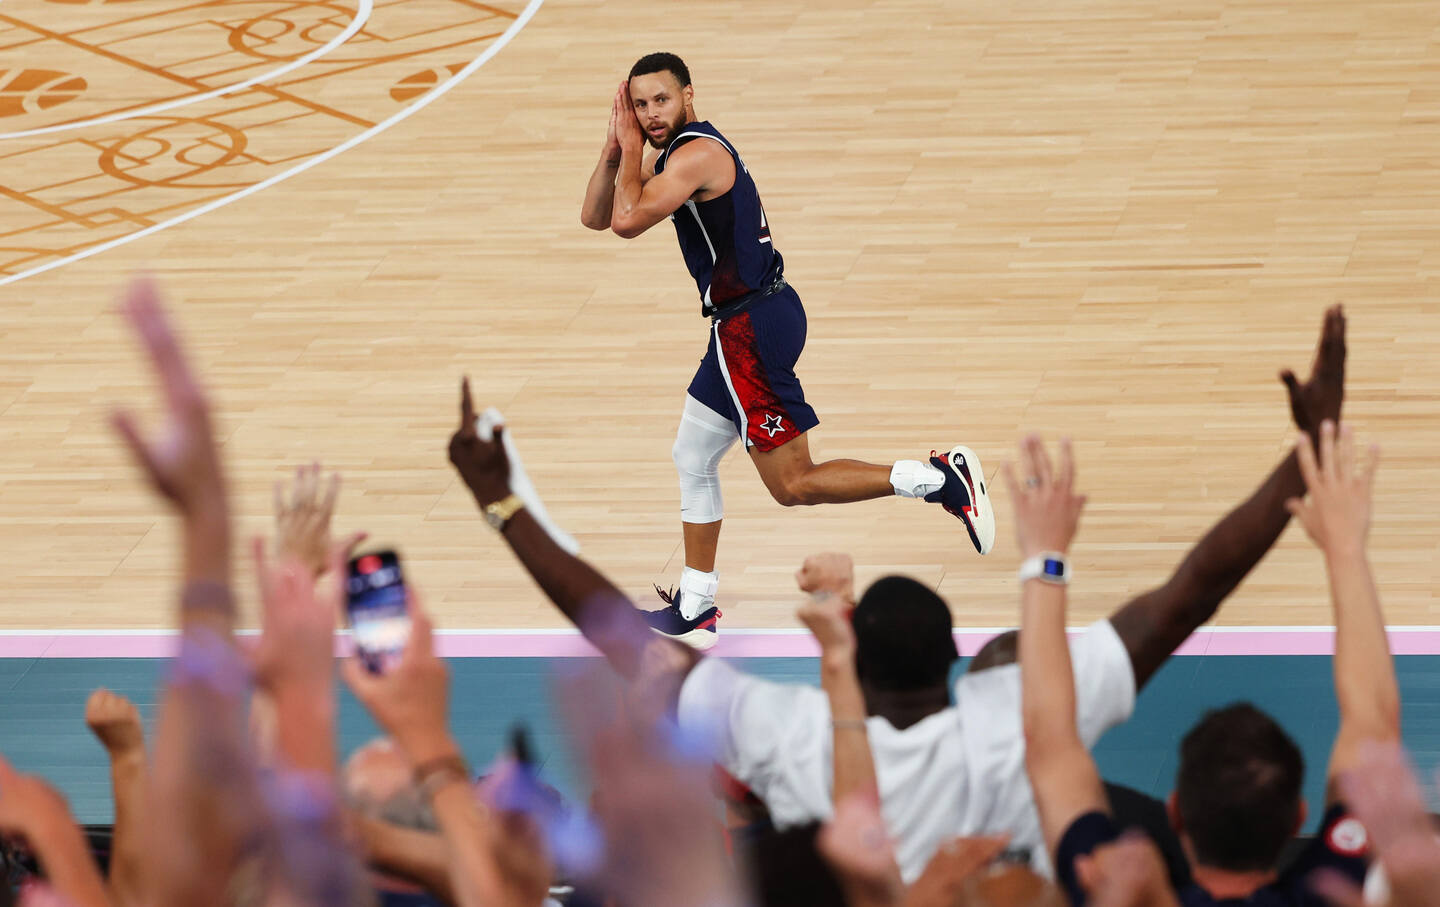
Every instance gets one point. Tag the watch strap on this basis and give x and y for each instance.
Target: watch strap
(1047, 566)
(498, 513)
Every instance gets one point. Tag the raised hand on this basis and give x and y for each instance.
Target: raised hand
(181, 461)
(481, 464)
(830, 580)
(411, 701)
(302, 519)
(1047, 510)
(297, 623)
(1336, 514)
(115, 722)
(628, 133)
(611, 151)
(1319, 398)
(828, 573)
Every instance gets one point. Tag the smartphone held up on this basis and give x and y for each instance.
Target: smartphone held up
(376, 602)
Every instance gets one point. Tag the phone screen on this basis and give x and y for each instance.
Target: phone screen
(375, 600)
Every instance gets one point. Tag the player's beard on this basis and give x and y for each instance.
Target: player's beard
(671, 130)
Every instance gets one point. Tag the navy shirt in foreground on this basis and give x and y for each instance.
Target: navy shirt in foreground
(1341, 845)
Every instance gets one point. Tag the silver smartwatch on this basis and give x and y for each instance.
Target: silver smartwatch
(1048, 567)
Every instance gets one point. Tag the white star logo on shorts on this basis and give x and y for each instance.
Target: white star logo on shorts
(777, 425)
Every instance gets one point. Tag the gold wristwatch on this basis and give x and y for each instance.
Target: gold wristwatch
(499, 513)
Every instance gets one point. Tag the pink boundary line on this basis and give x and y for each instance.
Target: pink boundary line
(744, 644)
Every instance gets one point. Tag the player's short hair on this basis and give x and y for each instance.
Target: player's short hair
(902, 636)
(662, 62)
(1238, 788)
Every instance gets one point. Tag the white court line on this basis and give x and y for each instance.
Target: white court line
(434, 93)
(362, 15)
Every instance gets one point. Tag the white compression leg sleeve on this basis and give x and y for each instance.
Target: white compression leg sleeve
(700, 444)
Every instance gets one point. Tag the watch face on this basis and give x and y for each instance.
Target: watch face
(1054, 568)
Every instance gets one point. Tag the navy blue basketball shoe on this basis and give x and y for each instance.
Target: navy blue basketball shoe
(963, 494)
(699, 632)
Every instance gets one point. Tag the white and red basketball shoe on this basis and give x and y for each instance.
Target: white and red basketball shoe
(699, 632)
(964, 494)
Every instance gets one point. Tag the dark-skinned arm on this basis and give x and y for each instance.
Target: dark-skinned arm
(603, 613)
(1154, 624)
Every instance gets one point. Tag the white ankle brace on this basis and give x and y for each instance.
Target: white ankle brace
(697, 591)
(913, 479)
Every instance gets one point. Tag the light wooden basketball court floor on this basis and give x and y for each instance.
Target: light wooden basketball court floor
(1111, 219)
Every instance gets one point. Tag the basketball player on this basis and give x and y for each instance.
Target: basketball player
(746, 385)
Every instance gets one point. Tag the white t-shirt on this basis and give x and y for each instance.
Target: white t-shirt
(960, 771)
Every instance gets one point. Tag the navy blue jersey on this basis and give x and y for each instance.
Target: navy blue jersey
(725, 241)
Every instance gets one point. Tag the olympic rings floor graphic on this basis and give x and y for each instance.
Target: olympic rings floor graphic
(228, 124)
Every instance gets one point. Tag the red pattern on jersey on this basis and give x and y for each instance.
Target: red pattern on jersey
(747, 375)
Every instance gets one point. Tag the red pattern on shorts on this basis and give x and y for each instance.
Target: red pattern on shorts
(767, 423)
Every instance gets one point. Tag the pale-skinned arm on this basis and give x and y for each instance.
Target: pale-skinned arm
(1062, 773)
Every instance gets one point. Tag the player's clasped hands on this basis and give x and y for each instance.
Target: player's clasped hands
(626, 127)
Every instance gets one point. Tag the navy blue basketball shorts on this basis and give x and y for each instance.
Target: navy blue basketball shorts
(748, 372)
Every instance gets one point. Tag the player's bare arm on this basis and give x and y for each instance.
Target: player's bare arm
(600, 193)
(699, 168)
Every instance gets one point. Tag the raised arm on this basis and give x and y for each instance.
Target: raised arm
(642, 201)
(1336, 515)
(182, 463)
(115, 722)
(591, 602)
(830, 581)
(295, 659)
(1155, 623)
(189, 857)
(600, 192)
(1062, 773)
